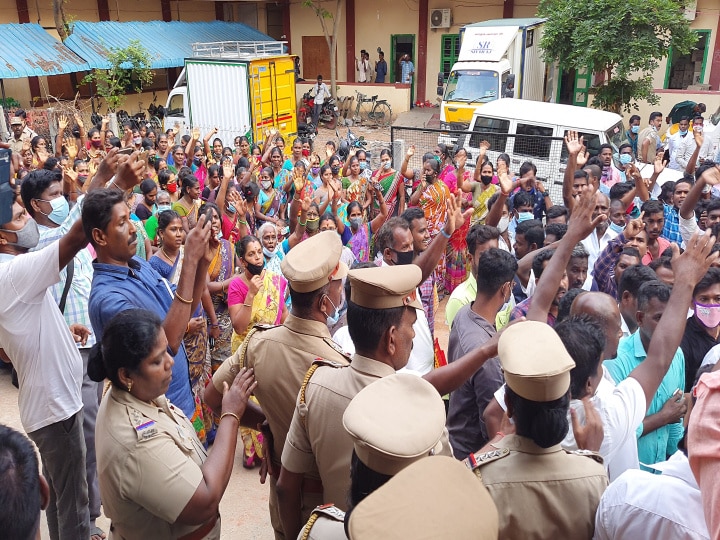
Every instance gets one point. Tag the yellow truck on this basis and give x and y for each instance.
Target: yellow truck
(498, 59)
(240, 87)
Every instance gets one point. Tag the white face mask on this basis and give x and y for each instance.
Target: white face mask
(503, 224)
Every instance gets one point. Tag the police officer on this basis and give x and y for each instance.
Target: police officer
(433, 498)
(540, 490)
(282, 355)
(392, 423)
(381, 314)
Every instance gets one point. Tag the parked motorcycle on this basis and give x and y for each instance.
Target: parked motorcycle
(328, 113)
(307, 130)
(349, 142)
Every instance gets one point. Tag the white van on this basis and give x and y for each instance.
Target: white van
(541, 127)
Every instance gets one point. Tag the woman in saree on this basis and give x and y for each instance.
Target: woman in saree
(432, 195)
(267, 207)
(356, 184)
(447, 168)
(361, 241)
(481, 186)
(256, 296)
(187, 206)
(457, 261)
(392, 187)
(168, 263)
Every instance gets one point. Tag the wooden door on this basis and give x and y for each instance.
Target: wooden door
(315, 58)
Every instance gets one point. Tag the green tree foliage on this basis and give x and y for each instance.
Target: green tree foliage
(622, 39)
(129, 71)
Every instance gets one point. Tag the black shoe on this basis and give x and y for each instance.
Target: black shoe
(14, 379)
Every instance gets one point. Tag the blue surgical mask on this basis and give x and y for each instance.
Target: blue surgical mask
(617, 228)
(363, 165)
(386, 165)
(525, 216)
(335, 317)
(231, 208)
(163, 208)
(635, 129)
(60, 210)
(683, 133)
(625, 159)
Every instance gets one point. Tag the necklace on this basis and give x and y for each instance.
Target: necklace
(167, 256)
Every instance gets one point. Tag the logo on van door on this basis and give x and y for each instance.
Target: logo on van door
(482, 47)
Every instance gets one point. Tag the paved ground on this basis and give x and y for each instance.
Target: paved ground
(244, 507)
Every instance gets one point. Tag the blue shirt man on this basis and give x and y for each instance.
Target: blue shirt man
(381, 69)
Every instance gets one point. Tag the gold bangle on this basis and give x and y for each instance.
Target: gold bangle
(247, 305)
(223, 415)
(183, 300)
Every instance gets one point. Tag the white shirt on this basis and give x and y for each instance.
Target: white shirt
(622, 408)
(678, 147)
(361, 68)
(35, 336)
(321, 92)
(663, 506)
(712, 356)
(595, 246)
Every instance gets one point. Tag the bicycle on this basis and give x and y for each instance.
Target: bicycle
(380, 113)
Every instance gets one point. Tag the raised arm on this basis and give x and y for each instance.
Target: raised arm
(378, 221)
(574, 146)
(206, 141)
(495, 214)
(692, 162)
(299, 231)
(581, 224)
(404, 169)
(692, 266)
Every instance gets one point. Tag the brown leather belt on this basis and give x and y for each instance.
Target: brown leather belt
(202, 531)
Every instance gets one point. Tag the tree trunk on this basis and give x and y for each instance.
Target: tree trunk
(59, 16)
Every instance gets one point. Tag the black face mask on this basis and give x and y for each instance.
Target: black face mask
(486, 179)
(255, 269)
(404, 257)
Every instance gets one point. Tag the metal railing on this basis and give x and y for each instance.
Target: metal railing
(238, 49)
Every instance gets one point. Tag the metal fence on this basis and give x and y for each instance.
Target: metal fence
(547, 153)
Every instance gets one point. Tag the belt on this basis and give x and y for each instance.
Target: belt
(202, 531)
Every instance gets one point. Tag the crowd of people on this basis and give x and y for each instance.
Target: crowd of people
(168, 296)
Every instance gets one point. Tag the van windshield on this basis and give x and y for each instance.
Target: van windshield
(616, 135)
(474, 86)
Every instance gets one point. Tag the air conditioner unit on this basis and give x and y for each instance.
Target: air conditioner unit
(441, 18)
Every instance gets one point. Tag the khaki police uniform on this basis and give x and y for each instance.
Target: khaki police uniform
(433, 498)
(317, 443)
(391, 423)
(282, 355)
(148, 460)
(26, 135)
(539, 492)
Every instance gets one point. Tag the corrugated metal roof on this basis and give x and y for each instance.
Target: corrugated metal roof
(30, 51)
(169, 43)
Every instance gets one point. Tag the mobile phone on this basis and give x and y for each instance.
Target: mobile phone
(678, 394)
(209, 215)
(127, 151)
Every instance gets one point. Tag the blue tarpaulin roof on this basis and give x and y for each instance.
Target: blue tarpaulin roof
(29, 51)
(168, 43)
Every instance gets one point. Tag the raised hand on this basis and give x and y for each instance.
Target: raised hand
(574, 143)
(581, 222)
(305, 204)
(504, 178)
(195, 133)
(590, 435)
(411, 150)
(129, 171)
(461, 161)
(582, 158)
(256, 283)
(78, 121)
(71, 148)
(197, 241)
(696, 259)
(227, 168)
(62, 122)
(711, 175)
(634, 227)
(298, 180)
(699, 137)
(484, 147)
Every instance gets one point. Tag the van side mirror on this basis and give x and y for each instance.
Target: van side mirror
(508, 89)
(440, 84)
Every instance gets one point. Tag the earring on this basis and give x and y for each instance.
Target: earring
(130, 385)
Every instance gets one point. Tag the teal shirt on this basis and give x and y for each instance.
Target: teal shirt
(661, 443)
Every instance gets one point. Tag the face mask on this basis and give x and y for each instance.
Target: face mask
(708, 314)
(335, 317)
(312, 224)
(163, 208)
(269, 254)
(429, 178)
(698, 129)
(255, 269)
(486, 179)
(96, 144)
(314, 170)
(231, 208)
(137, 140)
(172, 188)
(503, 224)
(525, 216)
(363, 165)
(625, 159)
(355, 222)
(335, 170)
(683, 133)
(197, 161)
(266, 184)
(60, 210)
(635, 129)
(82, 178)
(27, 237)
(617, 228)
(305, 152)
(386, 165)
(404, 257)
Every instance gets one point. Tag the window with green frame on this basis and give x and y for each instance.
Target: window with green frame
(684, 70)
(450, 44)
